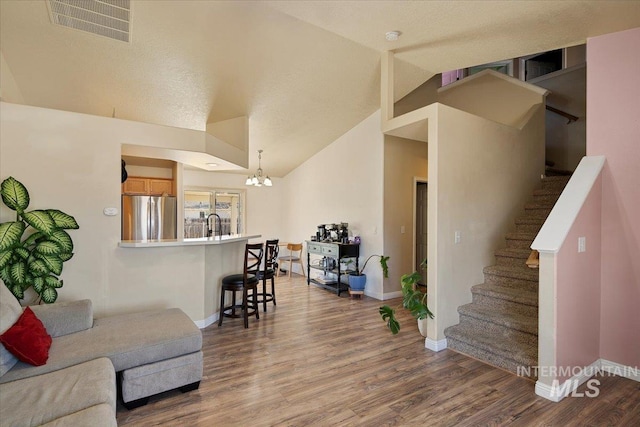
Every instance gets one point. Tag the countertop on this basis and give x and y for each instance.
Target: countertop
(218, 240)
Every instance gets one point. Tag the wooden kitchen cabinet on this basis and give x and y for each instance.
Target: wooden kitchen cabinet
(147, 186)
(158, 187)
(135, 185)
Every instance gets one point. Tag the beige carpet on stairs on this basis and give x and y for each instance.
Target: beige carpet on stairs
(500, 325)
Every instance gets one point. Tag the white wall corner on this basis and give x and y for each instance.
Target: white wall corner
(9, 90)
(435, 345)
(208, 321)
(556, 391)
(233, 131)
(548, 392)
(386, 86)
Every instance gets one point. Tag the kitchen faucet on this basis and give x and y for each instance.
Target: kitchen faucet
(218, 223)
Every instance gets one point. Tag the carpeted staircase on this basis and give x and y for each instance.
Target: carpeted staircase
(500, 325)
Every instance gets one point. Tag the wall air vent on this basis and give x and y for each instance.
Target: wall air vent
(108, 18)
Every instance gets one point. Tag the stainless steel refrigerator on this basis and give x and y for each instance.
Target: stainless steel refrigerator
(149, 217)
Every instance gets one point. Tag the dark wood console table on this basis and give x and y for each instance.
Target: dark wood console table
(339, 253)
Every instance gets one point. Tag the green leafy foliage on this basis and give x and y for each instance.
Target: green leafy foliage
(49, 295)
(14, 194)
(5, 257)
(383, 265)
(10, 233)
(413, 300)
(34, 260)
(40, 220)
(388, 315)
(62, 220)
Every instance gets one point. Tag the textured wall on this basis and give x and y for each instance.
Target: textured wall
(613, 130)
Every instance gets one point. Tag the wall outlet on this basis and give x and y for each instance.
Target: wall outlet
(456, 237)
(582, 244)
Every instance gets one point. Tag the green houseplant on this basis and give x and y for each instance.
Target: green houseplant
(357, 278)
(412, 299)
(34, 258)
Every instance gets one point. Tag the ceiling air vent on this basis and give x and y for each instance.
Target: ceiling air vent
(108, 18)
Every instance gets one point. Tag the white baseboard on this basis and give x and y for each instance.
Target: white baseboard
(434, 345)
(391, 295)
(621, 370)
(557, 392)
(208, 321)
(548, 392)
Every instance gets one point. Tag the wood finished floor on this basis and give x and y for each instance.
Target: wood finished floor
(320, 360)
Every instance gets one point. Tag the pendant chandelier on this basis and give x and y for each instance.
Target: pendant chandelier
(258, 180)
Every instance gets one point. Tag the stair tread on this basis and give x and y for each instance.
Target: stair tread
(516, 272)
(525, 220)
(520, 296)
(505, 347)
(513, 253)
(547, 192)
(560, 178)
(521, 236)
(542, 204)
(516, 321)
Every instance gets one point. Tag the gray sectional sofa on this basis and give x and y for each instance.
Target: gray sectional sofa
(139, 355)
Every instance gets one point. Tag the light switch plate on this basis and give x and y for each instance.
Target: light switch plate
(110, 211)
(582, 244)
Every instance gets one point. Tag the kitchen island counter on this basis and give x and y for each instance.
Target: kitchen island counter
(218, 240)
(183, 273)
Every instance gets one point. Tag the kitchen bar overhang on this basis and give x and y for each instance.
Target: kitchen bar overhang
(215, 240)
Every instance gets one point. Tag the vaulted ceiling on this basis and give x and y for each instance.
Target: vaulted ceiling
(304, 72)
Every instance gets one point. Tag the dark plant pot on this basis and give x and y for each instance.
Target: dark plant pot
(357, 282)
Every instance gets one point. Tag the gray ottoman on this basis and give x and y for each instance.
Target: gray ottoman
(152, 351)
(143, 381)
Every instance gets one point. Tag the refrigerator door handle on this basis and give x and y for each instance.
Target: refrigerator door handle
(154, 224)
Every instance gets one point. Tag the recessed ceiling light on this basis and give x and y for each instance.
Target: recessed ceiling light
(393, 35)
(213, 165)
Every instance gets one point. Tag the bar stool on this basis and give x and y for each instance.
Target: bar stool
(243, 282)
(269, 272)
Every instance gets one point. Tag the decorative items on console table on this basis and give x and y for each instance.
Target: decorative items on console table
(357, 278)
(37, 260)
(332, 233)
(413, 300)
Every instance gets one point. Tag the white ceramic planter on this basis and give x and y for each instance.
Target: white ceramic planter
(422, 327)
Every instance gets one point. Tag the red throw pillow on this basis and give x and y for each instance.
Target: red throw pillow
(28, 339)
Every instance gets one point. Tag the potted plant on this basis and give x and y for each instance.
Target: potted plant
(35, 261)
(413, 300)
(357, 278)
